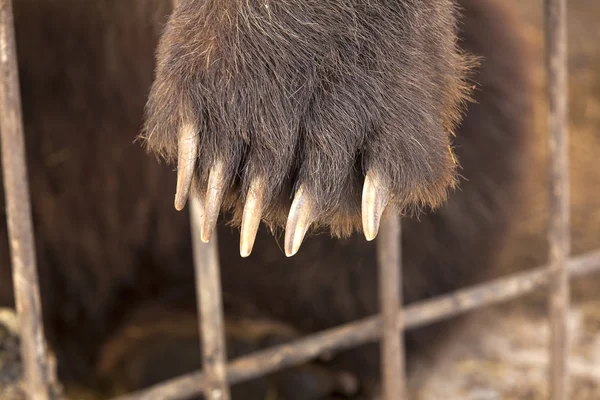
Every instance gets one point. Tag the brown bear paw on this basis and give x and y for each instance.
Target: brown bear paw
(307, 114)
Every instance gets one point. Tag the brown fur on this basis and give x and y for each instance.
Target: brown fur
(317, 103)
(313, 93)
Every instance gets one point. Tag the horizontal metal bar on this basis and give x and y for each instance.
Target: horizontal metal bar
(367, 330)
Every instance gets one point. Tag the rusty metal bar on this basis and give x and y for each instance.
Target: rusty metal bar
(559, 229)
(18, 210)
(389, 259)
(210, 306)
(367, 330)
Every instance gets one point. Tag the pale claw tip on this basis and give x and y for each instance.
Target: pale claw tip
(180, 202)
(299, 220)
(245, 252)
(214, 197)
(374, 201)
(251, 217)
(187, 149)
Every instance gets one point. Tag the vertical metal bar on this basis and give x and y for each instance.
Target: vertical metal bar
(558, 235)
(18, 210)
(389, 258)
(210, 306)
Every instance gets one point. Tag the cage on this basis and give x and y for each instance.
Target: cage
(217, 375)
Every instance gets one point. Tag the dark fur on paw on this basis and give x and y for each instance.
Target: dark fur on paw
(325, 101)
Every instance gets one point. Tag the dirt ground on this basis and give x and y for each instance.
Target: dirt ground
(502, 352)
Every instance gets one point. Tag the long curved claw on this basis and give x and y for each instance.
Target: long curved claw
(186, 161)
(374, 200)
(299, 220)
(214, 196)
(251, 216)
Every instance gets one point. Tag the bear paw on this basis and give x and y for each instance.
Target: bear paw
(308, 113)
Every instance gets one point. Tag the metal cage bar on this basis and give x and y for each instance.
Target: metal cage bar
(210, 308)
(368, 330)
(389, 258)
(18, 215)
(559, 229)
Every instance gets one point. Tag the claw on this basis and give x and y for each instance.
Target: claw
(186, 161)
(299, 219)
(251, 216)
(374, 201)
(214, 197)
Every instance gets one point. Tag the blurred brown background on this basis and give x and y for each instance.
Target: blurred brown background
(502, 352)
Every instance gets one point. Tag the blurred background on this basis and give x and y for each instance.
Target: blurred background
(502, 352)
